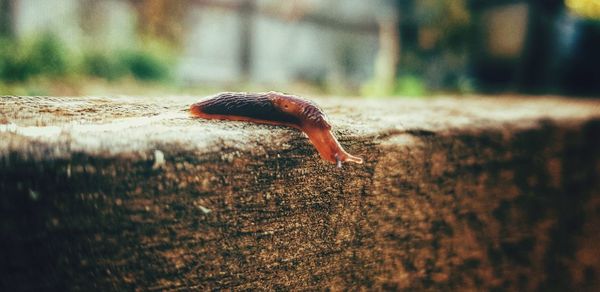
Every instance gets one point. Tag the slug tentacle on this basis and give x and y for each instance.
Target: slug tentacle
(277, 109)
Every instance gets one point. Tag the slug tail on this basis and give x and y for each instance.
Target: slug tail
(195, 110)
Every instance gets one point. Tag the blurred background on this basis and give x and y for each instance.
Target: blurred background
(320, 47)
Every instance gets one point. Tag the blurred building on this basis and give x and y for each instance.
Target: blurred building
(75, 22)
(276, 42)
(227, 41)
(534, 46)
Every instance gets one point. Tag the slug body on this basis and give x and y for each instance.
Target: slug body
(275, 108)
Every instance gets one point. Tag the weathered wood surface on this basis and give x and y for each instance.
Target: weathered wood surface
(491, 193)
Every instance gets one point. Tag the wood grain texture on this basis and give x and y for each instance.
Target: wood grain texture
(506, 199)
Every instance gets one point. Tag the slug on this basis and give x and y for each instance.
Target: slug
(274, 108)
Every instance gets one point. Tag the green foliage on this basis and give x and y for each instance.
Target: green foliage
(406, 85)
(103, 65)
(151, 61)
(44, 55)
(449, 18)
(13, 65)
(47, 57)
(7, 59)
(410, 85)
(145, 66)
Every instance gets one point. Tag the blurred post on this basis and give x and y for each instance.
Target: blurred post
(388, 55)
(162, 19)
(247, 10)
(6, 18)
(90, 18)
(535, 71)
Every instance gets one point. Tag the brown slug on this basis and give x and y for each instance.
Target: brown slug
(274, 108)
